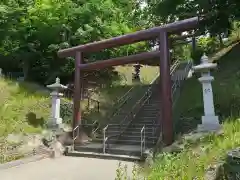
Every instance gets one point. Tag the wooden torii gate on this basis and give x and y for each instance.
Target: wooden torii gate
(161, 32)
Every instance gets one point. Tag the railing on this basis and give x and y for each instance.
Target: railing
(124, 96)
(89, 100)
(130, 116)
(75, 135)
(177, 82)
(104, 139)
(186, 69)
(172, 71)
(120, 102)
(143, 143)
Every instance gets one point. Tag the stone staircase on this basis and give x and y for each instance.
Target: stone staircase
(148, 120)
(136, 127)
(122, 112)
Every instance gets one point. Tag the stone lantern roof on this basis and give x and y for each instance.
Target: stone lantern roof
(57, 86)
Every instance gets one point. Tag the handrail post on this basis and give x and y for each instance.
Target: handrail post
(104, 139)
(75, 136)
(143, 140)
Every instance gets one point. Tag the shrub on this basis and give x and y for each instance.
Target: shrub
(197, 54)
(209, 44)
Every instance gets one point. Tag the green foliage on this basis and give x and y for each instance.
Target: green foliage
(197, 54)
(235, 33)
(219, 14)
(33, 31)
(208, 44)
(198, 156)
(23, 106)
(181, 52)
(122, 173)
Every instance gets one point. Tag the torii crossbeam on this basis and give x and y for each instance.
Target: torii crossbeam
(161, 32)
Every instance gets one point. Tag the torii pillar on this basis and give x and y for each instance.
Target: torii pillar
(165, 90)
(77, 91)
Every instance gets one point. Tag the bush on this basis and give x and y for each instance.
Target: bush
(208, 45)
(197, 54)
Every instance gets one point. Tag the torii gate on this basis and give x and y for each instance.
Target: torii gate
(161, 32)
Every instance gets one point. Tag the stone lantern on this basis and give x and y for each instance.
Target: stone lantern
(210, 121)
(136, 75)
(55, 119)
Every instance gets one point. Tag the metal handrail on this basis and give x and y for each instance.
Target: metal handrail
(177, 82)
(95, 130)
(119, 104)
(143, 143)
(75, 136)
(120, 99)
(129, 114)
(173, 67)
(104, 139)
(142, 101)
(136, 108)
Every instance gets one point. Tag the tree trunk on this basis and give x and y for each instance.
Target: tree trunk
(25, 68)
(220, 40)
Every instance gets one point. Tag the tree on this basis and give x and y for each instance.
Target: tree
(219, 13)
(42, 27)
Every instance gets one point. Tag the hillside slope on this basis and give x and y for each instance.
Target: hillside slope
(205, 153)
(25, 107)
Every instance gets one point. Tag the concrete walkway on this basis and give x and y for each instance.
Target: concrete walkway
(65, 168)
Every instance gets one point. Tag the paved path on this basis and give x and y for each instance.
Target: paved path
(65, 168)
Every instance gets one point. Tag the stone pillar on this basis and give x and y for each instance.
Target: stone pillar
(210, 121)
(55, 119)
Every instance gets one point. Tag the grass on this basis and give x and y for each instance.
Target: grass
(21, 108)
(198, 156)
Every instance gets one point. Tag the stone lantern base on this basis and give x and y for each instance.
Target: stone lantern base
(209, 123)
(55, 123)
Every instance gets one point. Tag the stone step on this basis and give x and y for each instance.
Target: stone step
(137, 133)
(116, 149)
(151, 103)
(137, 138)
(148, 143)
(131, 126)
(153, 112)
(135, 127)
(150, 110)
(149, 124)
(148, 117)
(127, 132)
(105, 156)
(140, 126)
(147, 121)
(142, 121)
